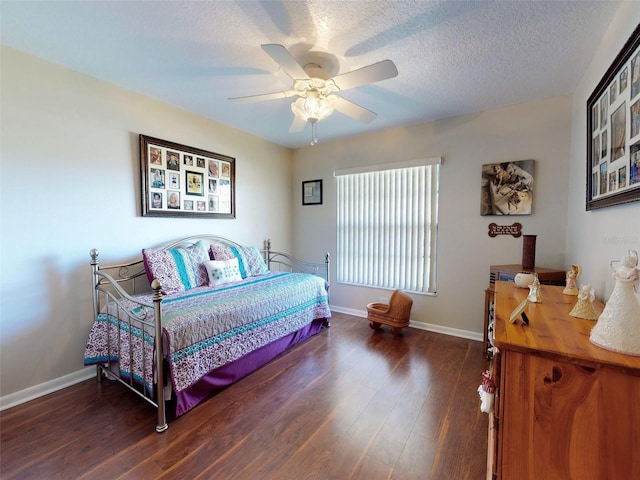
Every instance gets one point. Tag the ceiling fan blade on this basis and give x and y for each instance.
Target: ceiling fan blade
(283, 58)
(371, 74)
(297, 125)
(265, 96)
(354, 110)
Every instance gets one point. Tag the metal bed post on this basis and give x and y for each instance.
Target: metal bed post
(157, 299)
(327, 279)
(95, 266)
(327, 263)
(267, 244)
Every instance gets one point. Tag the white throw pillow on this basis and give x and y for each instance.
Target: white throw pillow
(223, 271)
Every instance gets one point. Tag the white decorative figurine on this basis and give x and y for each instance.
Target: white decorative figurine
(584, 306)
(535, 293)
(618, 327)
(487, 391)
(572, 276)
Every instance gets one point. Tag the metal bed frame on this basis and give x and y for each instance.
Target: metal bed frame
(113, 284)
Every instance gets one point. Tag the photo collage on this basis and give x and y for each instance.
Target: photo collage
(180, 181)
(615, 133)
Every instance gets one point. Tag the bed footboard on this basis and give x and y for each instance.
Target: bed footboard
(139, 327)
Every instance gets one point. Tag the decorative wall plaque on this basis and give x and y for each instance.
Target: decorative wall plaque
(515, 230)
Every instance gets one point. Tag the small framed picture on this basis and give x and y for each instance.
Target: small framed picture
(173, 200)
(156, 200)
(312, 192)
(155, 156)
(518, 316)
(195, 184)
(157, 176)
(173, 160)
(174, 180)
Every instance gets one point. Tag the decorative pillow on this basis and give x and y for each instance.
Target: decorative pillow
(254, 263)
(223, 271)
(220, 252)
(250, 261)
(177, 269)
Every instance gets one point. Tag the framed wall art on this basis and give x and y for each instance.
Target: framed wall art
(182, 181)
(312, 192)
(507, 188)
(613, 131)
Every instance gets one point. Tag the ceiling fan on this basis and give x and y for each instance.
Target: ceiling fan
(317, 88)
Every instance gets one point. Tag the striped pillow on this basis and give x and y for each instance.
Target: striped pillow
(253, 261)
(177, 269)
(250, 259)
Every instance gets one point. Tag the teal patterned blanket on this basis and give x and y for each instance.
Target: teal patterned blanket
(207, 327)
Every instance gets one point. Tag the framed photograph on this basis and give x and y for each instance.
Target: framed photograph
(312, 192)
(518, 316)
(613, 139)
(195, 183)
(157, 200)
(183, 181)
(507, 188)
(174, 180)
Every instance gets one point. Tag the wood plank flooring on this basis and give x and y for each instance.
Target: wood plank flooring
(349, 403)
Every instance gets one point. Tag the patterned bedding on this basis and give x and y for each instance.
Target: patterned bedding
(207, 327)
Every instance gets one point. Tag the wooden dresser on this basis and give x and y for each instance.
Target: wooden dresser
(507, 273)
(564, 408)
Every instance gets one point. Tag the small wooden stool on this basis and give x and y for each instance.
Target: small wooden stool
(395, 314)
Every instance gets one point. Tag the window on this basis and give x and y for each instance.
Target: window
(387, 225)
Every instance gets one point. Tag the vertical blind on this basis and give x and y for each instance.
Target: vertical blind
(387, 226)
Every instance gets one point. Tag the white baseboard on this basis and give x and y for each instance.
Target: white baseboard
(455, 332)
(31, 393)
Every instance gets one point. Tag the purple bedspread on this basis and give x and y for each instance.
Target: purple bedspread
(209, 327)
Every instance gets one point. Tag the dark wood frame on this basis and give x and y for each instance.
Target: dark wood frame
(629, 193)
(147, 188)
(315, 184)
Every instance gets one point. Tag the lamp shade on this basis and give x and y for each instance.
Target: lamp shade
(313, 108)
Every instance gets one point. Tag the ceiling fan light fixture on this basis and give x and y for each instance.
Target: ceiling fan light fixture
(313, 108)
(317, 85)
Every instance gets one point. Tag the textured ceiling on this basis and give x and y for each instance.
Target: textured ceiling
(453, 57)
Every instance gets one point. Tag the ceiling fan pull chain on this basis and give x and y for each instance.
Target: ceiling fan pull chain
(314, 138)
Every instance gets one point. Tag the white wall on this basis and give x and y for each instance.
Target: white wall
(70, 182)
(538, 130)
(597, 237)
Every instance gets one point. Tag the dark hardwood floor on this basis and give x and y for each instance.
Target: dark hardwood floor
(349, 403)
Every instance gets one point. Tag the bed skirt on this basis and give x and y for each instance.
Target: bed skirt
(234, 371)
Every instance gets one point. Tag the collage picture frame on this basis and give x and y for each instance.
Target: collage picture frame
(182, 181)
(613, 132)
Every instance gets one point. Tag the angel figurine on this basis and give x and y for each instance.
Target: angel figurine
(572, 276)
(535, 294)
(618, 327)
(584, 306)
